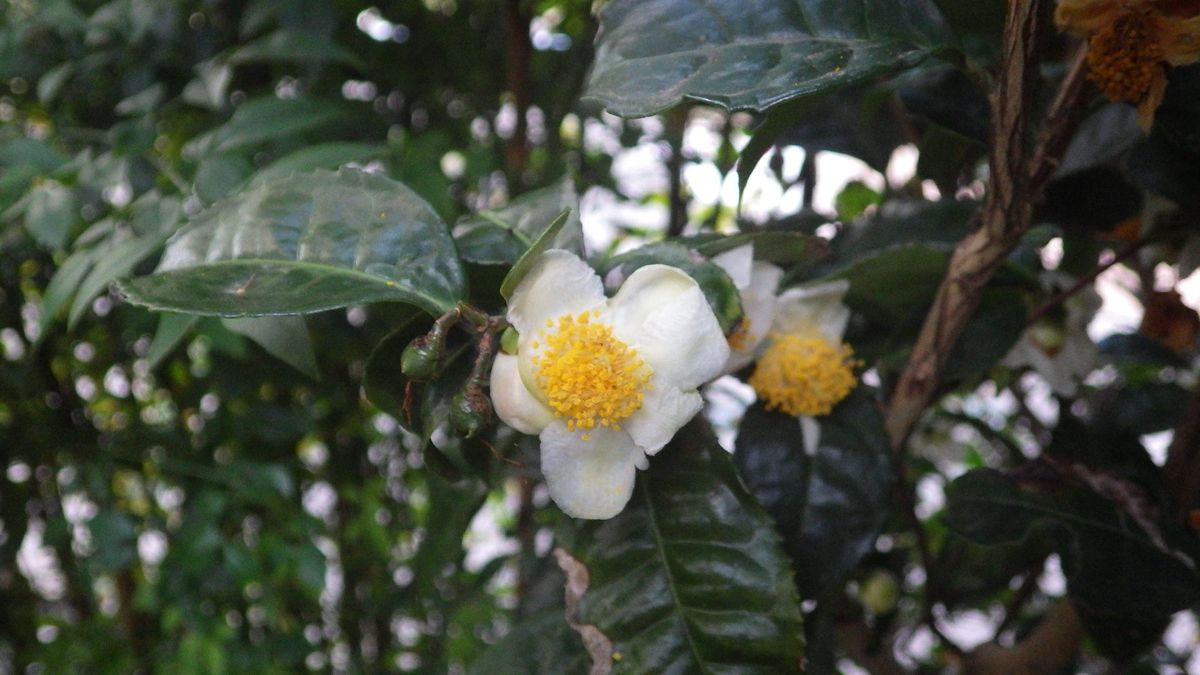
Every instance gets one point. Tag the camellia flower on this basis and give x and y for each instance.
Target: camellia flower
(1059, 349)
(604, 382)
(805, 368)
(1130, 43)
(756, 282)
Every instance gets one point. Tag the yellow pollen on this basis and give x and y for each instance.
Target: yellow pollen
(589, 377)
(804, 375)
(1125, 58)
(740, 339)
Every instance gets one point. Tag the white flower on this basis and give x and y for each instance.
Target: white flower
(756, 282)
(604, 382)
(1060, 350)
(805, 369)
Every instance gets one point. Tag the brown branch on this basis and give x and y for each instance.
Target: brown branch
(1084, 282)
(1050, 647)
(1017, 177)
(517, 52)
(676, 121)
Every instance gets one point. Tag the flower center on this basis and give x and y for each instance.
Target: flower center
(804, 375)
(588, 376)
(1124, 58)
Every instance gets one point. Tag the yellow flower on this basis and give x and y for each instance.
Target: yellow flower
(1130, 43)
(604, 382)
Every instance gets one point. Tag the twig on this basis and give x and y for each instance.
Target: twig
(517, 51)
(676, 120)
(1012, 608)
(1017, 177)
(1084, 282)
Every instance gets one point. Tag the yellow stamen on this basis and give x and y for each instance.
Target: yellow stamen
(1125, 58)
(804, 375)
(589, 377)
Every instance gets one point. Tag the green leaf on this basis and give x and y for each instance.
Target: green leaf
(51, 213)
(782, 247)
(652, 54)
(542, 643)
(830, 506)
(63, 286)
(112, 262)
(500, 236)
(543, 243)
(690, 577)
(718, 288)
(290, 46)
(284, 337)
(319, 156)
(855, 199)
(172, 328)
(266, 119)
(451, 508)
(307, 243)
(218, 175)
(1112, 564)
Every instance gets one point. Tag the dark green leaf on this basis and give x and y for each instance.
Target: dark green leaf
(543, 643)
(1112, 565)
(830, 506)
(543, 243)
(499, 237)
(782, 247)
(718, 288)
(650, 55)
(307, 243)
(266, 119)
(689, 577)
(112, 263)
(290, 46)
(284, 337)
(854, 200)
(218, 175)
(172, 328)
(63, 286)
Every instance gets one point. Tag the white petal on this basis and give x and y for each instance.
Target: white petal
(515, 406)
(815, 308)
(661, 312)
(593, 478)
(558, 283)
(810, 429)
(664, 411)
(758, 306)
(737, 263)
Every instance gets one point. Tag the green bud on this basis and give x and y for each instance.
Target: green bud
(421, 359)
(880, 592)
(470, 411)
(508, 340)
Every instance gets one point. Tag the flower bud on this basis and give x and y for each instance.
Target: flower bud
(421, 359)
(470, 411)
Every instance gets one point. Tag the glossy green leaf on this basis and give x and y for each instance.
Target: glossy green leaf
(218, 175)
(782, 247)
(830, 506)
(266, 119)
(320, 156)
(500, 236)
(63, 287)
(307, 243)
(544, 243)
(1112, 564)
(284, 337)
(690, 576)
(718, 288)
(652, 54)
(542, 643)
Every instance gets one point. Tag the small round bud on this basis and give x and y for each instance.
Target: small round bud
(421, 359)
(470, 411)
(880, 592)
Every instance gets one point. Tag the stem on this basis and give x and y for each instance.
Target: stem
(517, 52)
(1084, 282)
(675, 122)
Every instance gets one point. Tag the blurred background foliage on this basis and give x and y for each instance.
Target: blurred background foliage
(199, 495)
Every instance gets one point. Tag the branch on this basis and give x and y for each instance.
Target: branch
(1084, 282)
(1017, 179)
(1051, 646)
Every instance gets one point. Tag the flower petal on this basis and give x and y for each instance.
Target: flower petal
(758, 305)
(515, 406)
(810, 432)
(558, 283)
(815, 308)
(593, 478)
(737, 263)
(664, 411)
(661, 312)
